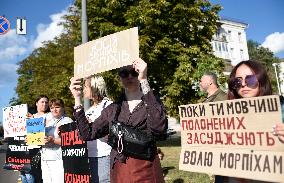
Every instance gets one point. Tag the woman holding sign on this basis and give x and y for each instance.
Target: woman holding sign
(35, 176)
(51, 155)
(247, 79)
(139, 110)
(98, 150)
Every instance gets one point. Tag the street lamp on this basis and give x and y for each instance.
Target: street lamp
(276, 74)
(84, 28)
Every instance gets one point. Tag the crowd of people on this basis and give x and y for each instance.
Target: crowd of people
(137, 107)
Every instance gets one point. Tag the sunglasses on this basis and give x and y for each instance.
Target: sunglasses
(125, 73)
(250, 80)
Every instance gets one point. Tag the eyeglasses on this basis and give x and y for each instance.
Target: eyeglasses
(250, 80)
(125, 73)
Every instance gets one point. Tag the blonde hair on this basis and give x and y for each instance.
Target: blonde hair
(98, 86)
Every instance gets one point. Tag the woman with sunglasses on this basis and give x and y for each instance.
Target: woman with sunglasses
(140, 109)
(247, 79)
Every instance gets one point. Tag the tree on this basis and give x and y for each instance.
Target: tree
(47, 71)
(174, 39)
(266, 58)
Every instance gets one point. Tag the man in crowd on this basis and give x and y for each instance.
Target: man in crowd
(208, 84)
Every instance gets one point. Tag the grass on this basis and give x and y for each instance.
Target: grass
(170, 164)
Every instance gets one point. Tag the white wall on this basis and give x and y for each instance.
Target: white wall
(230, 42)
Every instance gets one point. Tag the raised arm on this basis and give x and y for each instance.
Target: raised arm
(157, 121)
(87, 130)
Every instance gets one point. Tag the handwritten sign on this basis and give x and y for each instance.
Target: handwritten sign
(106, 53)
(233, 138)
(35, 131)
(74, 155)
(17, 155)
(14, 120)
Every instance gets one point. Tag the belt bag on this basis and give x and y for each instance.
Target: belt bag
(131, 142)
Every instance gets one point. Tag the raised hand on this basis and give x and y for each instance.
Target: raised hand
(75, 87)
(140, 66)
(278, 130)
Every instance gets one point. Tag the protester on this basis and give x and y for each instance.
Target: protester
(140, 109)
(247, 79)
(51, 154)
(208, 84)
(98, 150)
(41, 105)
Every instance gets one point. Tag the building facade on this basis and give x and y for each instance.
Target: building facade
(230, 42)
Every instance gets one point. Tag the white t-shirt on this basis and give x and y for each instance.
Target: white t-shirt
(53, 151)
(97, 148)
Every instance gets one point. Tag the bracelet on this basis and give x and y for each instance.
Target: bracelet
(78, 107)
(145, 86)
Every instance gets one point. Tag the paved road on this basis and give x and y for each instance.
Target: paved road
(6, 176)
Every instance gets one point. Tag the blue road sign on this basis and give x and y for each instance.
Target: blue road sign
(4, 25)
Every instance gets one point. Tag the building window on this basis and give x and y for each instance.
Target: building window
(232, 53)
(216, 47)
(242, 54)
(229, 35)
(240, 37)
(224, 47)
(219, 46)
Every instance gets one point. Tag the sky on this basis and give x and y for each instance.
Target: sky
(265, 19)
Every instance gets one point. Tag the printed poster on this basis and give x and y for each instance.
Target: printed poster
(35, 131)
(17, 155)
(74, 155)
(14, 120)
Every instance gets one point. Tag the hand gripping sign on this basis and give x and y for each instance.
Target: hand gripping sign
(233, 138)
(106, 53)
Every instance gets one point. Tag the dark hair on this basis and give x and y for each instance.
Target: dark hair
(40, 97)
(261, 75)
(213, 76)
(56, 102)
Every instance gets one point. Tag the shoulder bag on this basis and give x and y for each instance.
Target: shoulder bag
(130, 141)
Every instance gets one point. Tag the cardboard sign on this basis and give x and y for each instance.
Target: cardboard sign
(35, 131)
(106, 53)
(14, 120)
(17, 155)
(233, 138)
(74, 155)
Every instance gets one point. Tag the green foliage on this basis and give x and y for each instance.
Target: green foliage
(174, 38)
(266, 58)
(47, 71)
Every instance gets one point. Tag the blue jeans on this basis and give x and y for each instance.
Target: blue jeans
(100, 168)
(27, 178)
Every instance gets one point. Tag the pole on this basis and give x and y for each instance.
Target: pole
(84, 29)
(276, 74)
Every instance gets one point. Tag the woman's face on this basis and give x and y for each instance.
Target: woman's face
(129, 78)
(245, 91)
(42, 105)
(87, 89)
(57, 111)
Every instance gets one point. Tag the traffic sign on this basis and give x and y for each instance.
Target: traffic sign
(21, 26)
(4, 25)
